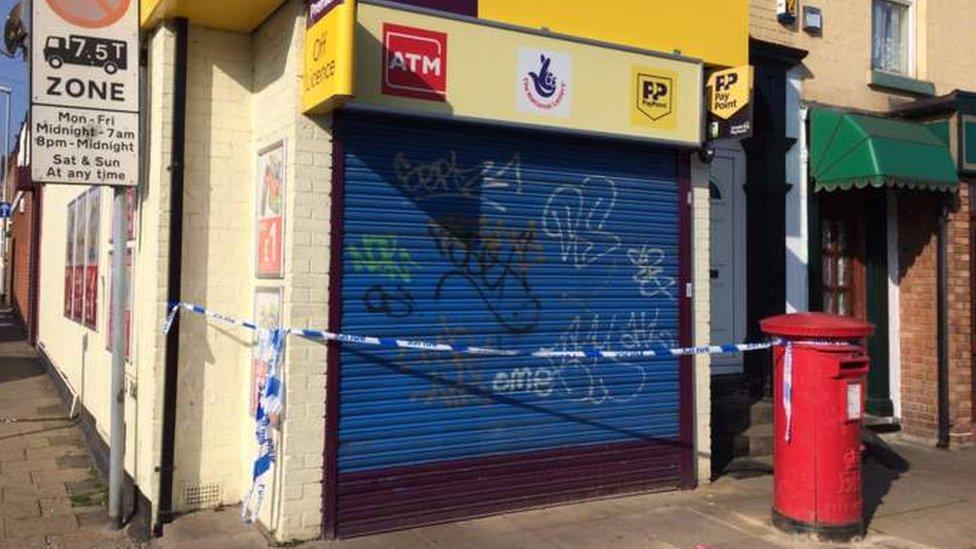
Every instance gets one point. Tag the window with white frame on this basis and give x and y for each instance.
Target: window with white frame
(893, 35)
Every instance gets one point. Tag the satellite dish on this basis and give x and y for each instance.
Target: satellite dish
(15, 32)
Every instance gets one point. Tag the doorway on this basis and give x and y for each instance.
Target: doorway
(853, 281)
(727, 254)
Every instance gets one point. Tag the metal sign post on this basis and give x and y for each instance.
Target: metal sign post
(117, 435)
(85, 105)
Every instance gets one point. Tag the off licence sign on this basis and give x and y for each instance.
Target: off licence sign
(85, 92)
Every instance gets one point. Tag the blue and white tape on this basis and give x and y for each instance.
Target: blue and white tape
(271, 344)
(542, 352)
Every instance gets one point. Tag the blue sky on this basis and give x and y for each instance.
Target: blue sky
(13, 74)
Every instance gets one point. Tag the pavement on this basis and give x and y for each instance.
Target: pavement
(914, 496)
(50, 493)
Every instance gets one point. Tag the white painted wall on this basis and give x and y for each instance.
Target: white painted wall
(894, 304)
(797, 239)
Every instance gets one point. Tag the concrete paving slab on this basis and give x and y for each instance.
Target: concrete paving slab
(408, 539)
(956, 526)
(23, 467)
(751, 515)
(39, 454)
(611, 532)
(38, 528)
(18, 508)
(684, 527)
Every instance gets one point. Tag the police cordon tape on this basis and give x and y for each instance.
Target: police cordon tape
(542, 352)
(271, 344)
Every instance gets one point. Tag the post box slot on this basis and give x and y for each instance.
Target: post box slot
(854, 363)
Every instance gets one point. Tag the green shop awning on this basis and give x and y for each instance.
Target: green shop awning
(856, 151)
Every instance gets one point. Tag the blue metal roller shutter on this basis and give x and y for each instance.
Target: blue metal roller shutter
(500, 238)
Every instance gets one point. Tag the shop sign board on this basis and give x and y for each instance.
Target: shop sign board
(327, 79)
(729, 102)
(544, 82)
(509, 75)
(85, 92)
(414, 62)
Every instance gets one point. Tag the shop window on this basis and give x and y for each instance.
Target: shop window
(82, 257)
(893, 34)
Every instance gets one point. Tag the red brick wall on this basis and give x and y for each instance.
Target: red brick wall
(21, 257)
(960, 321)
(919, 309)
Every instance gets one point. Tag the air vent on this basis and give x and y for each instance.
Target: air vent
(206, 495)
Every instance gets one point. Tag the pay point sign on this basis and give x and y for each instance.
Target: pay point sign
(85, 92)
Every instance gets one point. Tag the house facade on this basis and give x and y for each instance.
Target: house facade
(498, 177)
(877, 210)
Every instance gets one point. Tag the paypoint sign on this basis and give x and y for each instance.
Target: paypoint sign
(729, 95)
(327, 80)
(85, 92)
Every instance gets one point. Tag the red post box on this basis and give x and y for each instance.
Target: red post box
(820, 385)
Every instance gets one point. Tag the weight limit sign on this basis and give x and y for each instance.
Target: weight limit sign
(85, 92)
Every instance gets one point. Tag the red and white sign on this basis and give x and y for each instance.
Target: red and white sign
(269, 255)
(414, 62)
(90, 14)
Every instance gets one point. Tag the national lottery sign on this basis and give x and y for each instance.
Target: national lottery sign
(85, 92)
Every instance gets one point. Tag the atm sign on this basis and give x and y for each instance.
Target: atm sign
(414, 62)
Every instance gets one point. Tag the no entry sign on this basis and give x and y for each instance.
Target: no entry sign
(91, 14)
(85, 92)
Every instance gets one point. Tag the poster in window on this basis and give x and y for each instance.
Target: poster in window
(78, 278)
(127, 311)
(267, 314)
(69, 260)
(130, 214)
(271, 212)
(91, 257)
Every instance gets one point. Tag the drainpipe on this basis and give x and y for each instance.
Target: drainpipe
(171, 371)
(943, 329)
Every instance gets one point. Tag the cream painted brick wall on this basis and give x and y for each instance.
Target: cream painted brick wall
(701, 306)
(217, 258)
(79, 352)
(307, 305)
(839, 61)
(296, 509)
(951, 44)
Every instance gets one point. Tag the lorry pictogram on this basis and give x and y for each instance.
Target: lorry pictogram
(110, 55)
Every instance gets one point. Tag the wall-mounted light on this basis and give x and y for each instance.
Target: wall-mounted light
(812, 20)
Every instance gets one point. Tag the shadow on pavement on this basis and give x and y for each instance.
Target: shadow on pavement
(880, 468)
(14, 369)
(11, 333)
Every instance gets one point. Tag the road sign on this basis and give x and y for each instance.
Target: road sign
(85, 92)
(6, 210)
